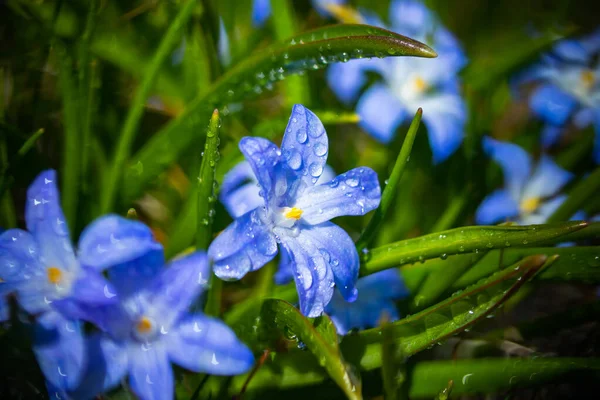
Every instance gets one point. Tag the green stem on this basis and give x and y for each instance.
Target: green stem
(389, 193)
(136, 110)
(448, 218)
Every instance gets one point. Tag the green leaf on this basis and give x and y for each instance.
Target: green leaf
(573, 264)
(578, 197)
(412, 334)
(489, 375)
(393, 368)
(464, 240)
(206, 184)
(391, 188)
(136, 109)
(309, 51)
(319, 336)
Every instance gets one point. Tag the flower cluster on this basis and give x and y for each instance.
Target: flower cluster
(568, 89)
(408, 82)
(140, 312)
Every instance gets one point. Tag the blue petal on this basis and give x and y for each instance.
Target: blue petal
(59, 349)
(245, 245)
(150, 372)
(92, 288)
(312, 274)
(239, 192)
(321, 5)
(19, 256)
(204, 344)
(223, 45)
(46, 222)
(285, 272)
(106, 366)
(377, 293)
(551, 134)
(263, 156)
(597, 137)
(572, 50)
(409, 17)
(346, 79)
(591, 42)
(339, 253)
(552, 104)
(304, 147)
(547, 179)
(498, 206)
(583, 117)
(112, 240)
(380, 112)
(134, 276)
(261, 10)
(178, 285)
(514, 161)
(355, 192)
(444, 115)
(544, 211)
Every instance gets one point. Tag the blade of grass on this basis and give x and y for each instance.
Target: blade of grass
(578, 196)
(136, 110)
(389, 193)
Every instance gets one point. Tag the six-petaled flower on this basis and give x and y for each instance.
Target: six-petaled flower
(295, 215)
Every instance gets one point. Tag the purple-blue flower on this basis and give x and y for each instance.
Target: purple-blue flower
(529, 195)
(261, 9)
(42, 269)
(147, 327)
(377, 294)
(295, 214)
(569, 88)
(408, 82)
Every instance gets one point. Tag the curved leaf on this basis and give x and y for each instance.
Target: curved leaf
(308, 51)
(319, 336)
(464, 240)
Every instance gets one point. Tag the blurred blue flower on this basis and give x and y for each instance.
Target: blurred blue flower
(377, 294)
(261, 9)
(40, 267)
(529, 196)
(148, 326)
(295, 213)
(569, 88)
(409, 82)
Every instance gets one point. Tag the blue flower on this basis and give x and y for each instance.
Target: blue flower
(529, 197)
(261, 9)
(569, 88)
(41, 268)
(295, 214)
(409, 82)
(147, 327)
(377, 294)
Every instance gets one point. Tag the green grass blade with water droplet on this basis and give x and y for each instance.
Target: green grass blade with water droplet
(311, 51)
(466, 240)
(391, 188)
(319, 336)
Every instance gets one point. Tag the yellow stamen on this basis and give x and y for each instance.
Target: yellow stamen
(293, 213)
(530, 205)
(144, 325)
(345, 14)
(588, 78)
(420, 84)
(54, 275)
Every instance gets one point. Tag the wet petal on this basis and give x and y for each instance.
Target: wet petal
(304, 147)
(312, 274)
(136, 275)
(552, 104)
(514, 161)
(547, 179)
(114, 240)
(239, 191)
(177, 286)
(150, 373)
(92, 288)
(380, 112)
(285, 272)
(346, 79)
(204, 344)
(496, 207)
(246, 245)
(46, 222)
(59, 349)
(354, 193)
(19, 256)
(263, 156)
